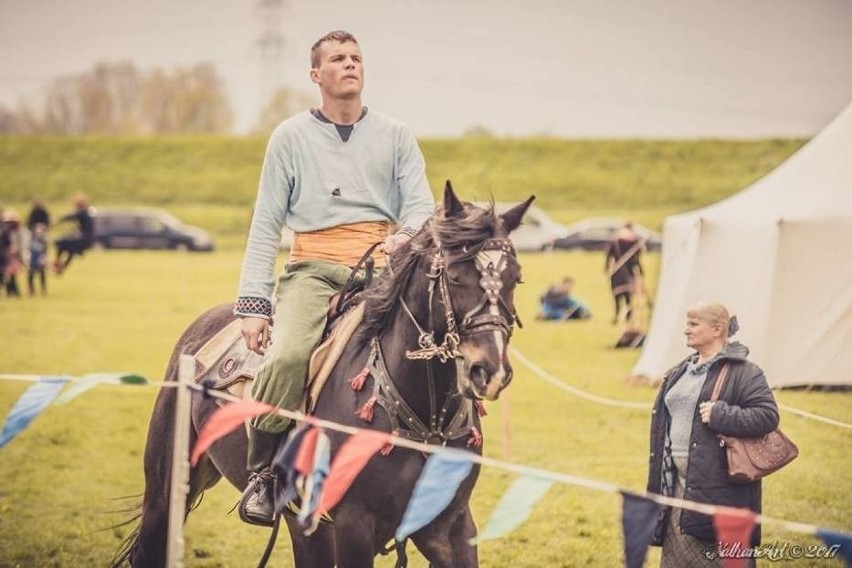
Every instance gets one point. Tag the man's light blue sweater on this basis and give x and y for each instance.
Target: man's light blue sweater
(312, 180)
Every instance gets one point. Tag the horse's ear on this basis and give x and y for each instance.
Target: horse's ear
(512, 218)
(452, 205)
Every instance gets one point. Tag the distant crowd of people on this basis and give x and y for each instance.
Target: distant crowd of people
(25, 248)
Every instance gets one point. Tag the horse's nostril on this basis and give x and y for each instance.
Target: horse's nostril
(508, 378)
(479, 375)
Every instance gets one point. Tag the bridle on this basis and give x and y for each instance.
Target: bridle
(491, 259)
(487, 316)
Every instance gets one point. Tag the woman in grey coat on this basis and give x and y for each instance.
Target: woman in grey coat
(686, 460)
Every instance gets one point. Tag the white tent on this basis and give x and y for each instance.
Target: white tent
(779, 255)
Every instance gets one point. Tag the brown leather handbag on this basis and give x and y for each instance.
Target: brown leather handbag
(750, 459)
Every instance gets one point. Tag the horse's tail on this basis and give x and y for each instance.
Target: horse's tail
(146, 544)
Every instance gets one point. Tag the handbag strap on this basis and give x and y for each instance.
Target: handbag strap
(720, 382)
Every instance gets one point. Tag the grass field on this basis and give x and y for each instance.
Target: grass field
(123, 311)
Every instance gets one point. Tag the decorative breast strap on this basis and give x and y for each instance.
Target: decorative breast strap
(404, 421)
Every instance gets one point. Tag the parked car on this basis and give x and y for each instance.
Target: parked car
(594, 234)
(147, 228)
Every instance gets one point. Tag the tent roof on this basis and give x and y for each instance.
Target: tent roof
(816, 181)
(775, 254)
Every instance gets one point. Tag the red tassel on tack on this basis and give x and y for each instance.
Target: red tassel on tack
(475, 437)
(357, 382)
(366, 412)
(480, 408)
(386, 449)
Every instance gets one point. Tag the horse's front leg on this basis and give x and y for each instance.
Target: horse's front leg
(315, 551)
(446, 542)
(354, 538)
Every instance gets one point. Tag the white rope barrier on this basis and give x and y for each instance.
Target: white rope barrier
(550, 379)
(816, 417)
(547, 377)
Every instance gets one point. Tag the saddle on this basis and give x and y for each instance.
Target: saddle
(231, 367)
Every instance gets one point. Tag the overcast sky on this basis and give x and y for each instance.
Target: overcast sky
(654, 68)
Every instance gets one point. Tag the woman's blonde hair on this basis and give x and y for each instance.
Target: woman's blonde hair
(715, 314)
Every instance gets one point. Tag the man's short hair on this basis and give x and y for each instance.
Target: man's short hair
(340, 36)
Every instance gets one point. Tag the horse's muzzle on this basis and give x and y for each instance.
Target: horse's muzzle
(482, 380)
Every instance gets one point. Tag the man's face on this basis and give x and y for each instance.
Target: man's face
(341, 70)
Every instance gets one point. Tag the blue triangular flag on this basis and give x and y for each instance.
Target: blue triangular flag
(282, 466)
(34, 400)
(441, 476)
(85, 383)
(842, 542)
(316, 479)
(638, 520)
(515, 507)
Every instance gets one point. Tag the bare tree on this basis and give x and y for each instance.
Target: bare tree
(115, 98)
(187, 100)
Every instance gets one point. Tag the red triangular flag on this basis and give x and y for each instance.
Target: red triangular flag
(224, 421)
(733, 532)
(304, 463)
(351, 458)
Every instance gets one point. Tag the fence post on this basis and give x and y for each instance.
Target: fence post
(180, 464)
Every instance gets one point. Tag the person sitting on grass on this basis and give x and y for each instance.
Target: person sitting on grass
(558, 303)
(80, 239)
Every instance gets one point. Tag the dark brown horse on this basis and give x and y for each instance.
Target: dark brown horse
(435, 338)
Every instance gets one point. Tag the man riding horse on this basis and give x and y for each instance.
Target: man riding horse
(339, 176)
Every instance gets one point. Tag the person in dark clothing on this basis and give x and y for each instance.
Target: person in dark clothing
(624, 267)
(559, 303)
(10, 249)
(38, 215)
(686, 460)
(78, 241)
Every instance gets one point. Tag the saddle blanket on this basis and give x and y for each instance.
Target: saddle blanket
(227, 361)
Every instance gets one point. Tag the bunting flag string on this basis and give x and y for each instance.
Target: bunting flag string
(34, 400)
(436, 487)
(46, 390)
(514, 507)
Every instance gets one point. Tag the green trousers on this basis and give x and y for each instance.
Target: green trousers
(301, 307)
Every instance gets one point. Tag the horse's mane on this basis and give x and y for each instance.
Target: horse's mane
(469, 228)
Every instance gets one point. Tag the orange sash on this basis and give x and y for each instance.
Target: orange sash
(344, 244)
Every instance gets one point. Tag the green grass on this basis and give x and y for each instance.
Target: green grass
(565, 174)
(123, 311)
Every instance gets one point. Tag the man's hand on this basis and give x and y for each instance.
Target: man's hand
(256, 334)
(394, 242)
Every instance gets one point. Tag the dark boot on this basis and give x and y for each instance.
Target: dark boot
(257, 505)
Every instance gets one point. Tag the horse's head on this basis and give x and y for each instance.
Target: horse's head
(480, 273)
